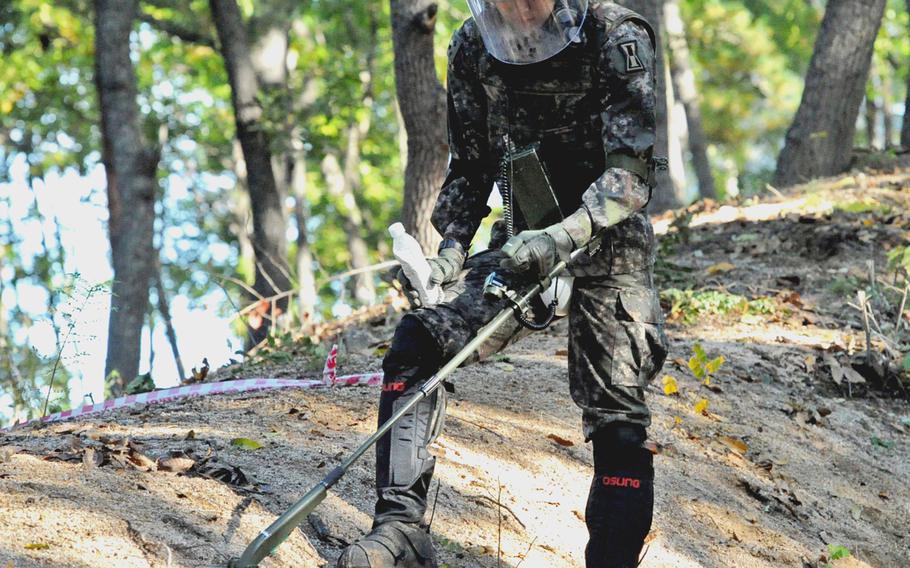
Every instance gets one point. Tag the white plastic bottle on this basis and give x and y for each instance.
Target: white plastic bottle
(414, 264)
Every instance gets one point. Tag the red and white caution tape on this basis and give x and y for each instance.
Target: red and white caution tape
(329, 380)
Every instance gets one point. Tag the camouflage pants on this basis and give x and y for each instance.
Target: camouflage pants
(616, 338)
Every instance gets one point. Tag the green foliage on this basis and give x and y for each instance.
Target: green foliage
(749, 59)
(142, 383)
(690, 305)
(845, 285)
(703, 368)
(899, 259)
(836, 552)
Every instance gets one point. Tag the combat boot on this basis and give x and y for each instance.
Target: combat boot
(393, 544)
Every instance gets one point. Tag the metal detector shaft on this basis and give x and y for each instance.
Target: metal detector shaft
(276, 533)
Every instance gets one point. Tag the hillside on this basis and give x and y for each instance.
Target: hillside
(803, 447)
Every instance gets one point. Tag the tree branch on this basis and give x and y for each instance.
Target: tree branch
(178, 31)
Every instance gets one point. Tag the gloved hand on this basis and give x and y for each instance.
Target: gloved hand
(443, 269)
(537, 252)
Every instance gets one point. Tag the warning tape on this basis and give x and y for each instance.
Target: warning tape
(329, 380)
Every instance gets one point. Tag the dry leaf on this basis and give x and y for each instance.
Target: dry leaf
(140, 461)
(562, 352)
(734, 444)
(719, 268)
(561, 441)
(91, 458)
(837, 372)
(670, 385)
(176, 464)
(852, 376)
(6, 452)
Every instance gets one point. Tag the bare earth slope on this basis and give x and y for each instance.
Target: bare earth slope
(792, 454)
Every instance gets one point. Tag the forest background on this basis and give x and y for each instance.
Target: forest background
(266, 152)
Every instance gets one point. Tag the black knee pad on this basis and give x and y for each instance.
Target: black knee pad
(621, 499)
(414, 352)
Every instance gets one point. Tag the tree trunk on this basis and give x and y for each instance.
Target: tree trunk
(164, 308)
(820, 140)
(905, 129)
(686, 91)
(669, 192)
(269, 219)
(306, 280)
(871, 121)
(887, 105)
(130, 167)
(423, 108)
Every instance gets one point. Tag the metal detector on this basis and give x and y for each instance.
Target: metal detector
(276, 533)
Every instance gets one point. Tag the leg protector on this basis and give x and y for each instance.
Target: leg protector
(404, 466)
(621, 501)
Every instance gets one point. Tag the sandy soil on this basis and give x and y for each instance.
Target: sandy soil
(784, 462)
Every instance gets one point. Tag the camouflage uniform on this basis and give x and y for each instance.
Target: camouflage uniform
(591, 110)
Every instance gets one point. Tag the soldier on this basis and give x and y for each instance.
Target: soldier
(574, 83)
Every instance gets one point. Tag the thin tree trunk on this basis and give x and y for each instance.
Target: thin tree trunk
(269, 219)
(306, 281)
(423, 107)
(164, 309)
(820, 140)
(668, 194)
(888, 117)
(130, 167)
(905, 129)
(871, 120)
(686, 91)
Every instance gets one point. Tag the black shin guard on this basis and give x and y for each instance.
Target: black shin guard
(404, 466)
(621, 500)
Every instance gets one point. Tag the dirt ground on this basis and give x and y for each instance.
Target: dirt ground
(797, 452)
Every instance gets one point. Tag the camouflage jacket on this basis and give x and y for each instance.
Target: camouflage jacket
(591, 110)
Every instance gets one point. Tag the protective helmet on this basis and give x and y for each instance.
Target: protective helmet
(528, 31)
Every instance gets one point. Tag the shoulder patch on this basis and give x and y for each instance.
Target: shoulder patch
(630, 51)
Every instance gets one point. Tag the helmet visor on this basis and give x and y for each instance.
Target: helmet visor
(528, 31)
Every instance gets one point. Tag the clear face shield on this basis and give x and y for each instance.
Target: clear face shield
(521, 32)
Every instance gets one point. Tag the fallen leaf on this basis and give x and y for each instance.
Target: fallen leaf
(701, 407)
(246, 444)
(719, 268)
(6, 452)
(37, 546)
(200, 374)
(561, 441)
(837, 372)
(176, 464)
(562, 352)
(670, 385)
(141, 461)
(191, 435)
(734, 444)
(91, 458)
(852, 376)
